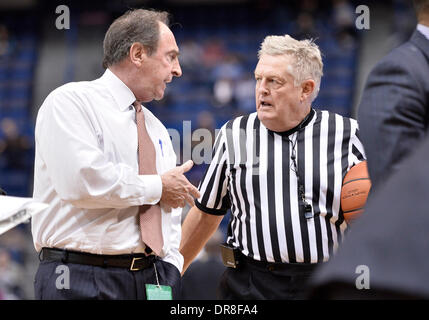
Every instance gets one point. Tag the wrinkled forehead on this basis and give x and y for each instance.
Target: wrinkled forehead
(166, 38)
(280, 65)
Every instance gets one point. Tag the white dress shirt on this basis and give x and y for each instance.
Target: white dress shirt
(424, 30)
(86, 169)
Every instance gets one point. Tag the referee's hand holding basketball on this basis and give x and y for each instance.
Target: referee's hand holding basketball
(176, 189)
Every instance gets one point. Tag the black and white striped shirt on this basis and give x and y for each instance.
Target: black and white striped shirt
(252, 173)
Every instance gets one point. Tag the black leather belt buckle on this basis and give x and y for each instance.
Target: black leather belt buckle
(138, 263)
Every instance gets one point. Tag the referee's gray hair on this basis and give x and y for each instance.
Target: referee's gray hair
(139, 25)
(307, 59)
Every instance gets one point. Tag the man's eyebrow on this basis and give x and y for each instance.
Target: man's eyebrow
(268, 75)
(176, 52)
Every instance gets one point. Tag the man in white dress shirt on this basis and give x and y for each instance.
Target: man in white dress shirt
(86, 169)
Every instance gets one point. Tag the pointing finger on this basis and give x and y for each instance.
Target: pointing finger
(187, 166)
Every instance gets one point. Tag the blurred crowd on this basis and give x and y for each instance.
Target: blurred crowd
(16, 249)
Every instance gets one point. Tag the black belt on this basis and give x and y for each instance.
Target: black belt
(276, 266)
(133, 262)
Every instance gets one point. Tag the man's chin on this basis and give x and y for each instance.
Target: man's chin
(270, 121)
(159, 96)
(266, 115)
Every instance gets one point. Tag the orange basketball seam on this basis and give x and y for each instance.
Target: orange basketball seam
(348, 211)
(355, 180)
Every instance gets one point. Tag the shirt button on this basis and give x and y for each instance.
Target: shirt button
(270, 268)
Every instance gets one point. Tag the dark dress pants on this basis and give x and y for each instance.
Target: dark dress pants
(93, 282)
(250, 282)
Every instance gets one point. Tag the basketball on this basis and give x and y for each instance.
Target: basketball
(354, 192)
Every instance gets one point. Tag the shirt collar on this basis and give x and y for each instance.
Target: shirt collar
(123, 95)
(424, 30)
(300, 126)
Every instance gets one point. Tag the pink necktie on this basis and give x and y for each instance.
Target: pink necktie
(149, 215)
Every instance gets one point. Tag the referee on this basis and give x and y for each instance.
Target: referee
(280, 171)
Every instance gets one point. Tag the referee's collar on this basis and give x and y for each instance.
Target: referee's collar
(301, 125)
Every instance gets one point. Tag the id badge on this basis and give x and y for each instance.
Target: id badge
(157, 292)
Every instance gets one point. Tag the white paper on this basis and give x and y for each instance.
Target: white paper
(16, 210)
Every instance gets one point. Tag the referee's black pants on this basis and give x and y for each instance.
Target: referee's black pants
(87, 282)
(259, 281)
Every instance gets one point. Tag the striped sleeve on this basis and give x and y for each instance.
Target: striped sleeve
(214, 197)
(357, 150)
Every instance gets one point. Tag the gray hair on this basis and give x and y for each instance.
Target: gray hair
(421, 5)
(138, 25)
(307, 59)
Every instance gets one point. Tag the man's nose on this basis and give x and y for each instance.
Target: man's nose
(177, 71)
(262, 88)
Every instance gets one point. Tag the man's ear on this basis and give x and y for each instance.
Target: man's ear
(137, 53)
(308, 87)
